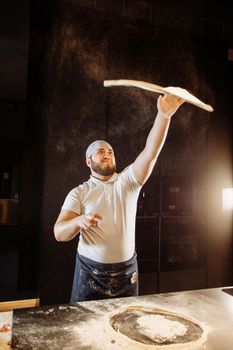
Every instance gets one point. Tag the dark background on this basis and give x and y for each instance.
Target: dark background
(54, 56)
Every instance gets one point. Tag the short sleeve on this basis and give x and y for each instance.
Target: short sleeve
(129, 180)
(72, 202)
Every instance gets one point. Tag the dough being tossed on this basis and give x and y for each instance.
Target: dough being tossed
(176, 91)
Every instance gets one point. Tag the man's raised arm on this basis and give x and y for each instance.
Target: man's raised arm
(167, 105)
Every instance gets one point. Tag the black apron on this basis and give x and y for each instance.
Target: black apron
(94, 280)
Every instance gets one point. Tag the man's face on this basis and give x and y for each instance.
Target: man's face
(103, 162)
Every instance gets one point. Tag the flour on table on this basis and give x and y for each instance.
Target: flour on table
(159, 328)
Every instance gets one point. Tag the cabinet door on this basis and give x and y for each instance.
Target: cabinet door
(147, 233)
(183, 195)
(147, 230)
(183, 242)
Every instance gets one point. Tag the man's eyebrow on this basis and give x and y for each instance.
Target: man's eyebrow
(103, 149)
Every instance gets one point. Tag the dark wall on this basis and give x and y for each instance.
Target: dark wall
(14, 37)
(73, 49)
(74, 46)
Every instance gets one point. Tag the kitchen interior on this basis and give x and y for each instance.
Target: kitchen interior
(54, 58)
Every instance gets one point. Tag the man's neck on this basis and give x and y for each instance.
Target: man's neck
(101, 177)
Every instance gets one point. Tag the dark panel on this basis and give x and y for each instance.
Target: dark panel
(184, 195)
(149, 197)
(9, 258)
(147, 233)
(147, 283)
(174, 281)
(183, 243)
(14, 29)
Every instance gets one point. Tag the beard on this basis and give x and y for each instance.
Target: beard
(104, 169)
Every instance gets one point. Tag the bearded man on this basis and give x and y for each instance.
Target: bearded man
(102, 212)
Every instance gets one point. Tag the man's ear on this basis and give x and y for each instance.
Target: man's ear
(88, 162)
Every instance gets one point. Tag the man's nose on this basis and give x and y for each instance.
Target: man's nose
(107, 155)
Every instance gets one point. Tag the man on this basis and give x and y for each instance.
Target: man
(102, 212)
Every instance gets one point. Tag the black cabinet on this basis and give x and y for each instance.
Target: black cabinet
(147, 248)
(172, 243)
(171, 253)
(183, 195)
(182, 253)
(182, 243)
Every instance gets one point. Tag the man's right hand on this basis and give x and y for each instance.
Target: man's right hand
(87, 220)
(69, 224)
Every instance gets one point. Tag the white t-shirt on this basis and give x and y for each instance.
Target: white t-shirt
(116, 201)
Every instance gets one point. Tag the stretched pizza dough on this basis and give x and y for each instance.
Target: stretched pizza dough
(176, 91)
